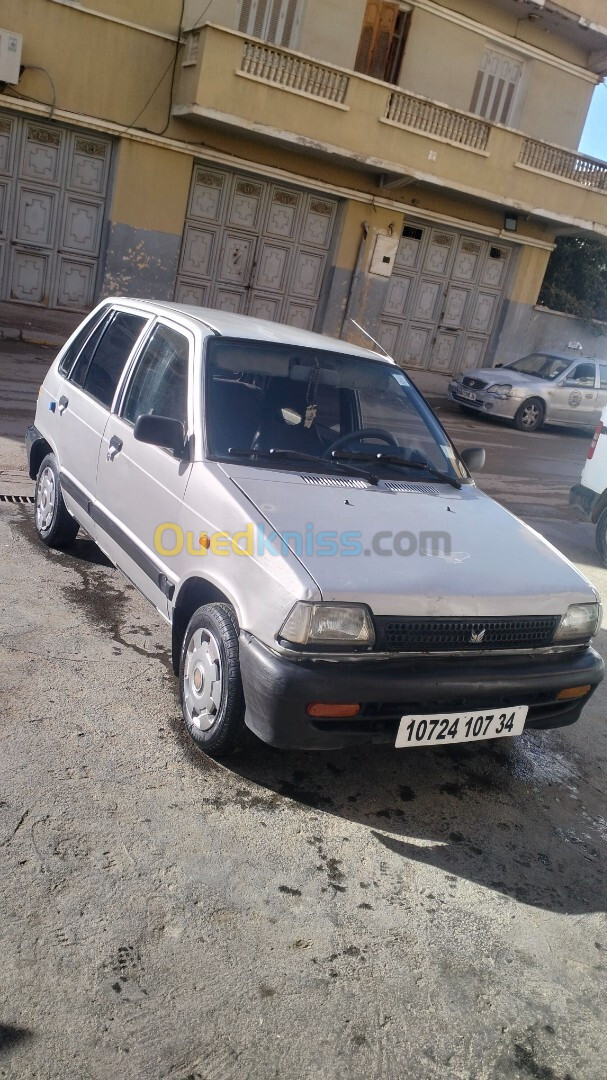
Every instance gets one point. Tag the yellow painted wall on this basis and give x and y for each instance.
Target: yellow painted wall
(224, 12)
(151, 187)
(552, 103)
(514, 22)
(98, 67)
(331, 30)
(531, 268)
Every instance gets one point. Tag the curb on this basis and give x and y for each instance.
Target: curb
(33, 337)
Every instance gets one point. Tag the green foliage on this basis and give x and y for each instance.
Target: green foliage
(576, 278)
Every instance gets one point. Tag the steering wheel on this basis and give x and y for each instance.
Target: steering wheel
(362, 433)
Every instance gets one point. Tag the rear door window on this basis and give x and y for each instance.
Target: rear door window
(103, 358)
(85, 332)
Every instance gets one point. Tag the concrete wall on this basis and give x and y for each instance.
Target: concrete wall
(331, 30)
(529, 328)
(146, 221)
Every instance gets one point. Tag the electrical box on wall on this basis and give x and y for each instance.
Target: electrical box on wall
(10, 56)
(384, 254)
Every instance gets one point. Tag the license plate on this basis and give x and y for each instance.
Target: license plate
(467, 394)
(442, 729)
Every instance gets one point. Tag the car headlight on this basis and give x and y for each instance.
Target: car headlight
(501, 390)
(328, 624)
(579, 623)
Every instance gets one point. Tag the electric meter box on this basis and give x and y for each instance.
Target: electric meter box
(384, 254)
(10, 56)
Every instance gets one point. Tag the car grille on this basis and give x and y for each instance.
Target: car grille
(395, 634)
(474, 384)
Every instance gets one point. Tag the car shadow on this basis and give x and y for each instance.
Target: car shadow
(506, 815)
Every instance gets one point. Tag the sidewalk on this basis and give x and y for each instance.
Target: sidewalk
(36, 326)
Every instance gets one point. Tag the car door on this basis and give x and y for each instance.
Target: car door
(90, 377)
(140, 487)
(575, 399)
(602, 391)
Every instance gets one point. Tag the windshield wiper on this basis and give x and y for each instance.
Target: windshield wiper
(392, 459)
(297, 455)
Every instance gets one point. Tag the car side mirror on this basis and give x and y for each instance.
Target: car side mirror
(474, 458)
(161, 431)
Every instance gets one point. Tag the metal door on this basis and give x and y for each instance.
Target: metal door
(53, 186)
(255, 248)
(443, 298)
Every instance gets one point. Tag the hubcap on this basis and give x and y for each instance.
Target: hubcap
(202, 679)
(46, 496)
(531, 416)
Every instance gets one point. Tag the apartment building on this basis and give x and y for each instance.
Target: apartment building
(407, 165)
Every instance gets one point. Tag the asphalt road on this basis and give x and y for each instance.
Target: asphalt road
(370, 914)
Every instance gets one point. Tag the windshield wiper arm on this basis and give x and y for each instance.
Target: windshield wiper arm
(297, 455)
(392, 459)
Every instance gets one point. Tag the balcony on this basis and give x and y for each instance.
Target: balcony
(287, 99)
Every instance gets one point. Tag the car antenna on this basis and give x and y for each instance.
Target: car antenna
(368, 335)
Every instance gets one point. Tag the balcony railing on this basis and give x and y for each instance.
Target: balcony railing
(426, 116)
(565, 164)
(292, 72)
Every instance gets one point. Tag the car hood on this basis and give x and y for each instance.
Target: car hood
(468, 555)
(491, 376)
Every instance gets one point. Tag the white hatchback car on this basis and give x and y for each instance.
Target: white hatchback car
(293, 508)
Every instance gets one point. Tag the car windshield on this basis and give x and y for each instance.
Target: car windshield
(541, 366)
(300, 402)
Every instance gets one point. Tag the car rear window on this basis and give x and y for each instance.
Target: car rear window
(103, 358)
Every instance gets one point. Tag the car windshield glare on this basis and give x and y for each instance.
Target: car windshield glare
(541, 366)
(262, 396)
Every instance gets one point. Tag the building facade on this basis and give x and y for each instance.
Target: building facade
(404, 165)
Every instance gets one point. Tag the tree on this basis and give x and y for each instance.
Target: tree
(576, 278)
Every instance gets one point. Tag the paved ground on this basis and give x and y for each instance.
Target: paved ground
(438, 914)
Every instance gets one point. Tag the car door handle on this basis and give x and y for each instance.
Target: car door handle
(114, 448)
(63, 404)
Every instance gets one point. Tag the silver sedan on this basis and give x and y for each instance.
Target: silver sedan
(540, 388)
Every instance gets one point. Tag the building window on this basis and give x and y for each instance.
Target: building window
(496, 87)
(382, 40)
(276, 21)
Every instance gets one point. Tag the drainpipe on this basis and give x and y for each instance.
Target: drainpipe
(355, 273)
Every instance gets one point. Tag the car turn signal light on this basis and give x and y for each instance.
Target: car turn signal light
(317, 708)
(573, 692)
(599, 431)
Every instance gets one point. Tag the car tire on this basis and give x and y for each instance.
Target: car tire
(54, 524)
(530, 415)
(601, 537)
(210, 685)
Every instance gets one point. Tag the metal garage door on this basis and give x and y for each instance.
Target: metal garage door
(443, 298)
(254, 247)
(53, 183)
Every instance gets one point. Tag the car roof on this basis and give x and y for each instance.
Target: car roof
(559, 356)
(227, 324)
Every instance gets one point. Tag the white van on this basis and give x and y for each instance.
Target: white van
(589, 497)
(294, 510)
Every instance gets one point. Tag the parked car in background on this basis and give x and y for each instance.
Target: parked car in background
(589, 497)
(551, 388)
(295, 511)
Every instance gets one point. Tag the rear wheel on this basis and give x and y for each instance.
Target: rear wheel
(54, 524)
(530, 416)
(209, 678)
(601, 537)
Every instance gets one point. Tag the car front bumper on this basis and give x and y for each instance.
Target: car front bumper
(483, 402)
(278, 691)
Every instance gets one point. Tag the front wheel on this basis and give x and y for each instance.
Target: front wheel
(601, 537)
(210, 684)
(530, 416)
(54, 524)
